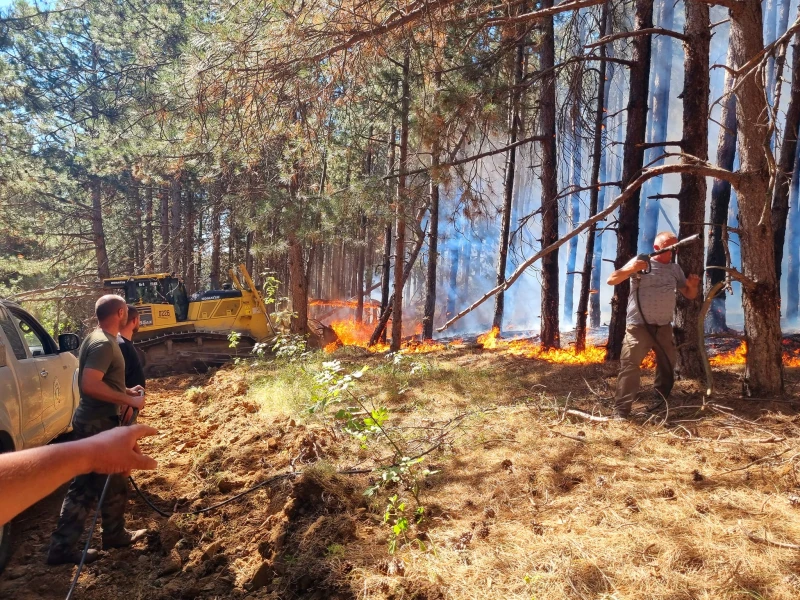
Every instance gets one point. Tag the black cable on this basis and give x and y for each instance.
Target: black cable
(88, 540)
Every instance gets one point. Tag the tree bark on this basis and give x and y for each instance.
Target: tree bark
(628, 219)
(760, 302)
(188, 243)
(298, 287)
(138, 229)
(783, 176)
(433, 251)
(692, 195)
(400, 223)
(720, 203)
(549, 330)
(588, 275)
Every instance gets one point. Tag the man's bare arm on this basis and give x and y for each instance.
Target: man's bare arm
(28, 476)
(692, 287)
(631, 267)
(92, 384)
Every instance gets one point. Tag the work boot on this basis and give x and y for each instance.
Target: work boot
(67, 556)
(126, 538)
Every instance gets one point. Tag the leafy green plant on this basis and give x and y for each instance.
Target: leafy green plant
(288, 346)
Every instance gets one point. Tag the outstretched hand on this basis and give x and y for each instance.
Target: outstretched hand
(117, 450)
(692, 280)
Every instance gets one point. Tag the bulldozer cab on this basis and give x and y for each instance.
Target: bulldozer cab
(161, 288)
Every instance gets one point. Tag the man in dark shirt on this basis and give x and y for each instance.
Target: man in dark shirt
(101, 379)
(134, 373)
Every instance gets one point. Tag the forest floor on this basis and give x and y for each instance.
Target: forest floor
(520, 499)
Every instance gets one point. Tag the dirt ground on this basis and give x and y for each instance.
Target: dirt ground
(523, 499)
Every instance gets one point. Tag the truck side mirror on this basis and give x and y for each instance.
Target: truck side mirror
(67, 342)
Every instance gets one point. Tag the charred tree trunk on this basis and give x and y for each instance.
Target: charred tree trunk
(400, 223)
(720, 203)
(588, 275)
(98, 234)
(628, 219)
(658, 124)
(138, 229)
(433, 250)
(760, 302)
(148, 231)
(549, 330)
(692, 195)
(514, 126)
(164, 215)
(783, 177)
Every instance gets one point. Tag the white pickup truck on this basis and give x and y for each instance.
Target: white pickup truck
(38, 387)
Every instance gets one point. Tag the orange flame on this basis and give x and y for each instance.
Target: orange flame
(529, 349)
(735, 357)
(351, 333)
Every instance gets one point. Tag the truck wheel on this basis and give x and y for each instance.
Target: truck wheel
(5, 545)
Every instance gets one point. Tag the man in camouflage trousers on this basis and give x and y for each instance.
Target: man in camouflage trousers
(101, 377)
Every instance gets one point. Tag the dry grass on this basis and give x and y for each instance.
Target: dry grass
(527, 503)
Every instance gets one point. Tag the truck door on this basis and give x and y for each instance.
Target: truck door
(53, 371)
(27, 369)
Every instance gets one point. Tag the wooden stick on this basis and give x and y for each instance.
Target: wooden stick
(763, 540)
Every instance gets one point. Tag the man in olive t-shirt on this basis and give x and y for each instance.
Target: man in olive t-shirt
(101, 379)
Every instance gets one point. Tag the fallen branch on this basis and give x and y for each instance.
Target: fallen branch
(699, 168)
(584, 415)
(577, 438)
(763, 540)
(755, 462)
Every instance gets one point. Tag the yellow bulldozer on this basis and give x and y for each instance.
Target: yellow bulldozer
(179, 333)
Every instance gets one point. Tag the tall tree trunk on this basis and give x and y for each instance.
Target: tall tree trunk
(299, 287)
(783, 176)
(175, 189)
(98, 234)
(574, 218)
(628, 219)
(692, 195)
(164, 216)
(720, 202)
(589, 263)
(793, 249)
(514, 126)
(138, 229)
(433, 251)
(549, 330)
(400, 223)
(188, 243)
(216, 236)
(149, 251)
(761, 303)
(452, 278)
(613, 102)
(659, 120)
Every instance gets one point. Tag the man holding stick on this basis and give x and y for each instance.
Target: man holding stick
(651, 304)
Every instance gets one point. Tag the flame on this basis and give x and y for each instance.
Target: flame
(529, 349)
(351, 333)
(344, 303)
(735, 357)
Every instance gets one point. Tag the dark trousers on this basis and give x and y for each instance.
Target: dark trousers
(84, 492)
